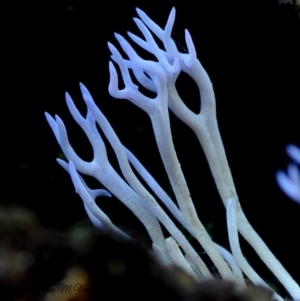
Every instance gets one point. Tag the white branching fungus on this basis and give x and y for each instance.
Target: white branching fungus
(160, 77)
(289, 182)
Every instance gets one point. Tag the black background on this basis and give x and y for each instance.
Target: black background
(251, 53)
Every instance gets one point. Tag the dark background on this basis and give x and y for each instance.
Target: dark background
(251, 53)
